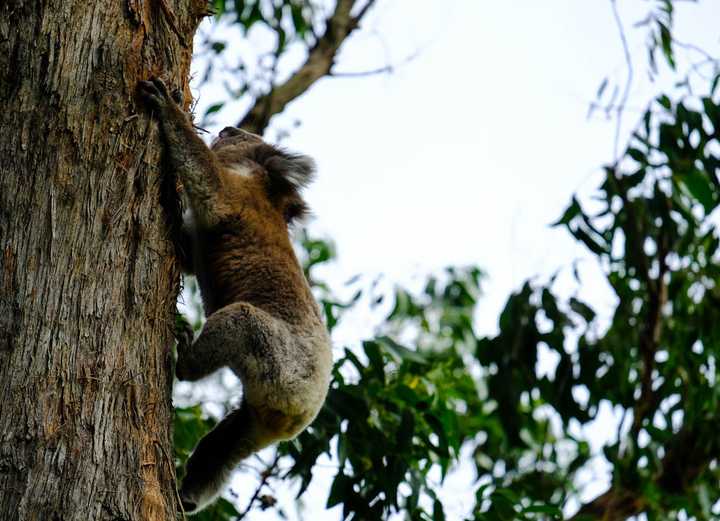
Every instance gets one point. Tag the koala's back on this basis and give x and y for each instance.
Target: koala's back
(235, 271)
(247, 257)
(291, 378)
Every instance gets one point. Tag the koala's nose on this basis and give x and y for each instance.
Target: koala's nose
(230, 131)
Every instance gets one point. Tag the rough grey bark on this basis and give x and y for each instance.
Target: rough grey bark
(88, 277)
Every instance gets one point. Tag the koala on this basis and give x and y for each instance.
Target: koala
(262, 320)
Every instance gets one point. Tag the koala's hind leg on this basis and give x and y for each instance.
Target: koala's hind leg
(256, 346)
(215, 457)
(239, 336)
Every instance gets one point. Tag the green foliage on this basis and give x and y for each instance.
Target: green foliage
(190, 426)
(289, 19)
(395, 412)
(659, 243)
(659, 24)
(290, 22)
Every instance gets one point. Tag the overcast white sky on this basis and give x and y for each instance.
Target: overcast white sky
(466, 154)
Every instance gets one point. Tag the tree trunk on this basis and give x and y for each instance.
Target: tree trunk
(88, 277)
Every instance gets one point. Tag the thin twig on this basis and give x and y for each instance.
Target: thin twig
(626, 93)
(695, 48)
(364, 10)
(650, 336)
(264, 476)
(387, 69)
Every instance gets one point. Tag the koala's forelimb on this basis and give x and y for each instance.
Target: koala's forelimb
(262, 321)
(188, 156)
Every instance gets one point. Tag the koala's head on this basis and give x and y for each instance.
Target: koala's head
(283, 173)
(235, 138)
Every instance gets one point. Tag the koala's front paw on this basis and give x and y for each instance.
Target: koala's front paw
(155, 93)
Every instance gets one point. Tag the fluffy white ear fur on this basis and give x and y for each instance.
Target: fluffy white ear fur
(287, 174)
(297, 169)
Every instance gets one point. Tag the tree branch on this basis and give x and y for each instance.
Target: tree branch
(363, 11)
(319, 62)
(613, 505)
(650, 335)
(387, 69)
(687, 455)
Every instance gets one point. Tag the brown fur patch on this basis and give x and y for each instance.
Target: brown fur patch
(280, 424)
(248, 255)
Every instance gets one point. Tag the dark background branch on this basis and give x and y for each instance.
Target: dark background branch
(318, 64)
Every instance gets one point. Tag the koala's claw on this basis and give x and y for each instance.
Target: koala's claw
(155, 92)
(177, 96)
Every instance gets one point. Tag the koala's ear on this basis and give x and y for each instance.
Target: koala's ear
(296, 169)
(287, 174)
(285, 170)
